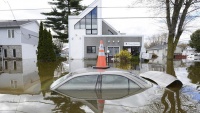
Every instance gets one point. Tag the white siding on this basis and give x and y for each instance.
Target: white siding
(76, 45)
(75, 65)
(29, 51)
(10, 41)
(159, 53)
(76, 41)
(32, 26)
(178, 50)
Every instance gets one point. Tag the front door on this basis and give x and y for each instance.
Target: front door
(113, 52)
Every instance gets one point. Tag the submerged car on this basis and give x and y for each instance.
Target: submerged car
(100, 83)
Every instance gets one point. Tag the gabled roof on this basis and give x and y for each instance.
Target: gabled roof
(14, 23)
(95, 3)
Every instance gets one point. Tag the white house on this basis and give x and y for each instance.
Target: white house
(161, 50)
(18, 39)
(188, 51)
(88, 28)
(191, 54)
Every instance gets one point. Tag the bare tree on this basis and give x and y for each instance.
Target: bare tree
(182, 45)
(178, 13)
(154, 40)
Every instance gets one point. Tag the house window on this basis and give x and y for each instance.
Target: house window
(5, 52)
(13, 84)
(11, 33)
(15, 65)
(5, 65)
(89, 22)
(14, 52)
(113, 51)
(91, 49)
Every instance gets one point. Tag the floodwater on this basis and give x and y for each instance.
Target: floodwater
(24, 88)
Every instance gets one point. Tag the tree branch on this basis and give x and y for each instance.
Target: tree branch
(176, 12)
(168, 15)
(180, 25)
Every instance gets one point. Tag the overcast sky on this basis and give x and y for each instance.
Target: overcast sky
(132, 26)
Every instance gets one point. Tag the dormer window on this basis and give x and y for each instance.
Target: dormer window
(11, 33)
(89, 22)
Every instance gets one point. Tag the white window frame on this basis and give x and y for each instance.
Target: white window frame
(11, 33)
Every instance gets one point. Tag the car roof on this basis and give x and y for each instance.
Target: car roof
(92, 70)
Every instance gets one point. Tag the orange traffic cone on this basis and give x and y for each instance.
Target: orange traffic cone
(100, 104)
(101, 61)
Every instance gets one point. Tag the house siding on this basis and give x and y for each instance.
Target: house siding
(10, 41)
(29, 37)
(107, 42)
(24, 42)
(11, 66)
(32, 26)
(29, 51)
(9, 51)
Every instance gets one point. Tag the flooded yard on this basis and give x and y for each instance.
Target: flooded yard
(25, 88)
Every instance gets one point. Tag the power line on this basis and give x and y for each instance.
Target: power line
(147, 17)
(89, 7)
(11, 10)
(129, 17)
(77, 8)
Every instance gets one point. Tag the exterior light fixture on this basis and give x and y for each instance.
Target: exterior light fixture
(108, 41)
(113, 41)
(118, 41)
(108, 51)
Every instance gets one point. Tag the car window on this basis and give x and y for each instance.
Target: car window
(117, 82)
(133, 85)
(81, 82)
(114, 82)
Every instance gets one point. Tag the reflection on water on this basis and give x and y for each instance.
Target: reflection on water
(24, 87)
(64, 104)
(46, 73)
(194, 73)
(171, 101)
(19, 77)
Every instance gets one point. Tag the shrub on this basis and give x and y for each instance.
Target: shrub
(135, 58)
(124, 56)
